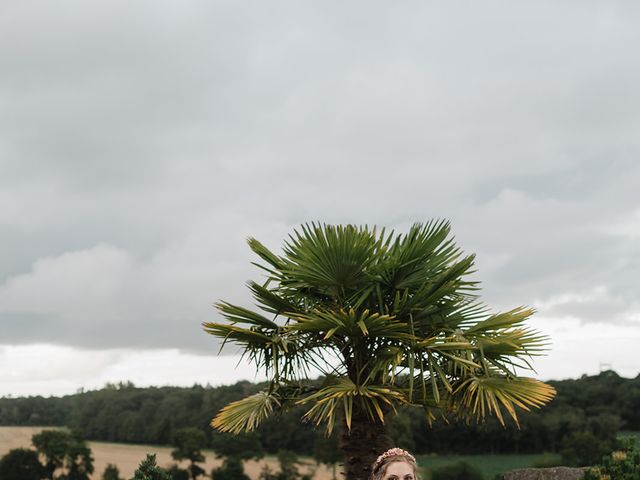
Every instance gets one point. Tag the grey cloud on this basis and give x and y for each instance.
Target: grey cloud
(172, 131)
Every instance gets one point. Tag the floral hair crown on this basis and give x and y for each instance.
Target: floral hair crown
(392, 452)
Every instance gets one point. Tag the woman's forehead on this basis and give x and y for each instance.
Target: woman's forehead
(399, 469)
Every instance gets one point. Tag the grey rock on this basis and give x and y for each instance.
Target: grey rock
(554, 473)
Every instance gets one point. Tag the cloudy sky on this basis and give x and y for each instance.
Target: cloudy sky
(142, 142)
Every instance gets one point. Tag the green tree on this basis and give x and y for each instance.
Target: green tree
(327, 451)
(149, 470)
(390, 320)
(111, 472)
(53, 446)
(178, 473)
(189, 443)
(245, 446)
(288, 465)
(21, 464)
(79, 461)
(64, 450)
(234, 449)
(231, 469)
(581, 449)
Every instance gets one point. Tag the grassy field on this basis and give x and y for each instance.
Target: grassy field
(490, 465)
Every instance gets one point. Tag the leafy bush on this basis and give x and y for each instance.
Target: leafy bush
(149, 470)
(582, 449)
(457, 471)
(231, 469)
(178, 473)
(21, 464)
(619, 465)
(111, 472)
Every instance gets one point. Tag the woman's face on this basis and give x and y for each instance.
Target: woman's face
(399, 471)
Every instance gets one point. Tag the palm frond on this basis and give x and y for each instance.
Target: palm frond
(272, 301)
(327, 256)
(477, 397)
(236, 314)
(512, 343)
(265, 254)
(500, 321)
(243, 336)
(374, 399)
(349, 323)
(247, 414)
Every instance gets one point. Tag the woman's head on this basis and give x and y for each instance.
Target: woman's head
(395, 464)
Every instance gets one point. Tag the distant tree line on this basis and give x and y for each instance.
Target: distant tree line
(585, 416)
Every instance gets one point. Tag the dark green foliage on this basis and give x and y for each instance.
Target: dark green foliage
(21, 464)
(53, 446)
(149, 470)
(189, 443)
(620, 465)
(35, 411)
(231, 469)
(581, 449)
(287, 432)
(288, 465)
(288, 468)
(244, 447)
(79, 462)
(457, 471)
(327, 451)
(66, 450)
(235, 449)
(111, 472)
(178, 473)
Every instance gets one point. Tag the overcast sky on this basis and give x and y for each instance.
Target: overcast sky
(142, 142)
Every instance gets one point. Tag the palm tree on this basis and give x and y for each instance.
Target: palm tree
(388, 320)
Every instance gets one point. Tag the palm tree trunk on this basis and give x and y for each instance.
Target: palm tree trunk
(362, 444)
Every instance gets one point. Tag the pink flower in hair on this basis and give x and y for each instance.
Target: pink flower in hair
(393, 452)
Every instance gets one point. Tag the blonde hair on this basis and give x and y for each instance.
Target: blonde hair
(379, 467)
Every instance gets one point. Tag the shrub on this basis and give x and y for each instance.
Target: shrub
(231, 469)
(580, 449)
(178, 473)
(111, 472)
(149, 470)
(619, 465)
(21, 464)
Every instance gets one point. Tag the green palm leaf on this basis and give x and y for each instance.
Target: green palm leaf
(375, 399)
(477, 397)
(245, 415)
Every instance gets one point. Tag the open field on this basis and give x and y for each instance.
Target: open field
(127, 457)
